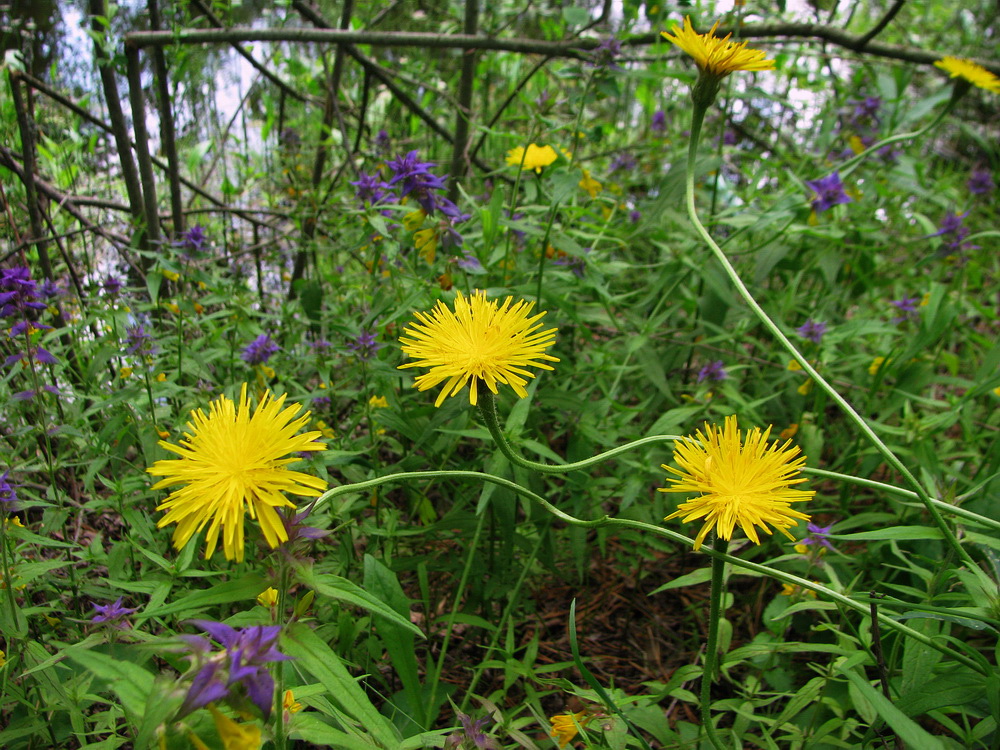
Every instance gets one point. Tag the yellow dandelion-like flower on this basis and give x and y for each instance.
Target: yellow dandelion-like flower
(566, 726)
(534, 157)
(233, 462)
(717, 57)
(479, 340)
(743, 482)
(977, 75)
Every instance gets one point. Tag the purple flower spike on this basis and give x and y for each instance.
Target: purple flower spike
(659, 121)
(712, 371)
(470, 263)
(243, 662)
(829, 192)
(365, 345)
(472, 731)
(981, 182)
(18, 292)
(112, 286)
(193, 239)
(111, 613)
(812, 330)
(259, 350)
(371, 189)
(139, 341)
(907, 306)
(818, 535)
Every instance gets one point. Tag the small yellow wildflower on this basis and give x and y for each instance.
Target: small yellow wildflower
(414, 219)
(789, 432)
(289, 703)
(426, 242)
(793, 365)
(534, 157)
(199, 308)
(789, 589)
(589, 184)
(378, 402)
(163, 434)
(969, 72)
(268, 597)
(805, 388)
(3, 658)
(161, 377)
(125, 373)
(171, 275)
(173, 307)
(996, 391)
(925, 300)
(324, 429)
(566, 726)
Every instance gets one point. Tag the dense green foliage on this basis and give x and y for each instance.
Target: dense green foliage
(322, 203)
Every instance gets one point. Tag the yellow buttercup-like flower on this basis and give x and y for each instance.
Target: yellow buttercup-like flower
(566, 726)
(715, 56)
(268, 597)
(232, 462)
(534, 157)
(977, 75)
(479, 340)
(743, 482)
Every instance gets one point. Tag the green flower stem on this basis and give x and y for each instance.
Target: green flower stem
(488, 410)
(894, 490)
(712, 644)
(778, 575)
(697, 119)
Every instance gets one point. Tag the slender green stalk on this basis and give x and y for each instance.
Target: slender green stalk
(697, 119)
(488, 410)
(778, 575)
(712, 644)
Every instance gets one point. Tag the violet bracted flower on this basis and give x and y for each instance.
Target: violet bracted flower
(259, 350)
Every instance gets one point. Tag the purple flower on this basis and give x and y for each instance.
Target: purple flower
(606, 53)
(18, 292)
(575, 263)
(470, 263)
(729, 138)
(819, 535)
(624, 161)
(415, 178)
(472, 731)
(866, 113)
(981, 182)
(907, 306)
(812, 330)
(634, 216)
(950, 224)
(382, 141)
(243, 662)
(112, 286)
(259, 350)
(371, 189)
(50, 290)
(953, 234)
(139, 341)
(712, 371)
(659, 121)
(7, 494)
(829, 192)
(193, 239)
(365, 345)
(112, 612)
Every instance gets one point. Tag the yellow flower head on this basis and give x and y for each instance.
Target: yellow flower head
(589, 184)
(535, 157)
(232, 461)
(714, 56)
(566, 726)
(268, 597)
(289, 703)
(378, 402)
(479, 340)
(977, 75)
(743, 482)
(235, 736)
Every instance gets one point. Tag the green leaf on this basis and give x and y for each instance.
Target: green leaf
(130, 682)
(335, 587)
(891, 532)
(241, 590)
(317, 658)
(908, 730)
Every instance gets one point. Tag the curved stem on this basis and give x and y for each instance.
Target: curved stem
(697, 118)
(712, 644)
(778, 575)
(488, 410)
